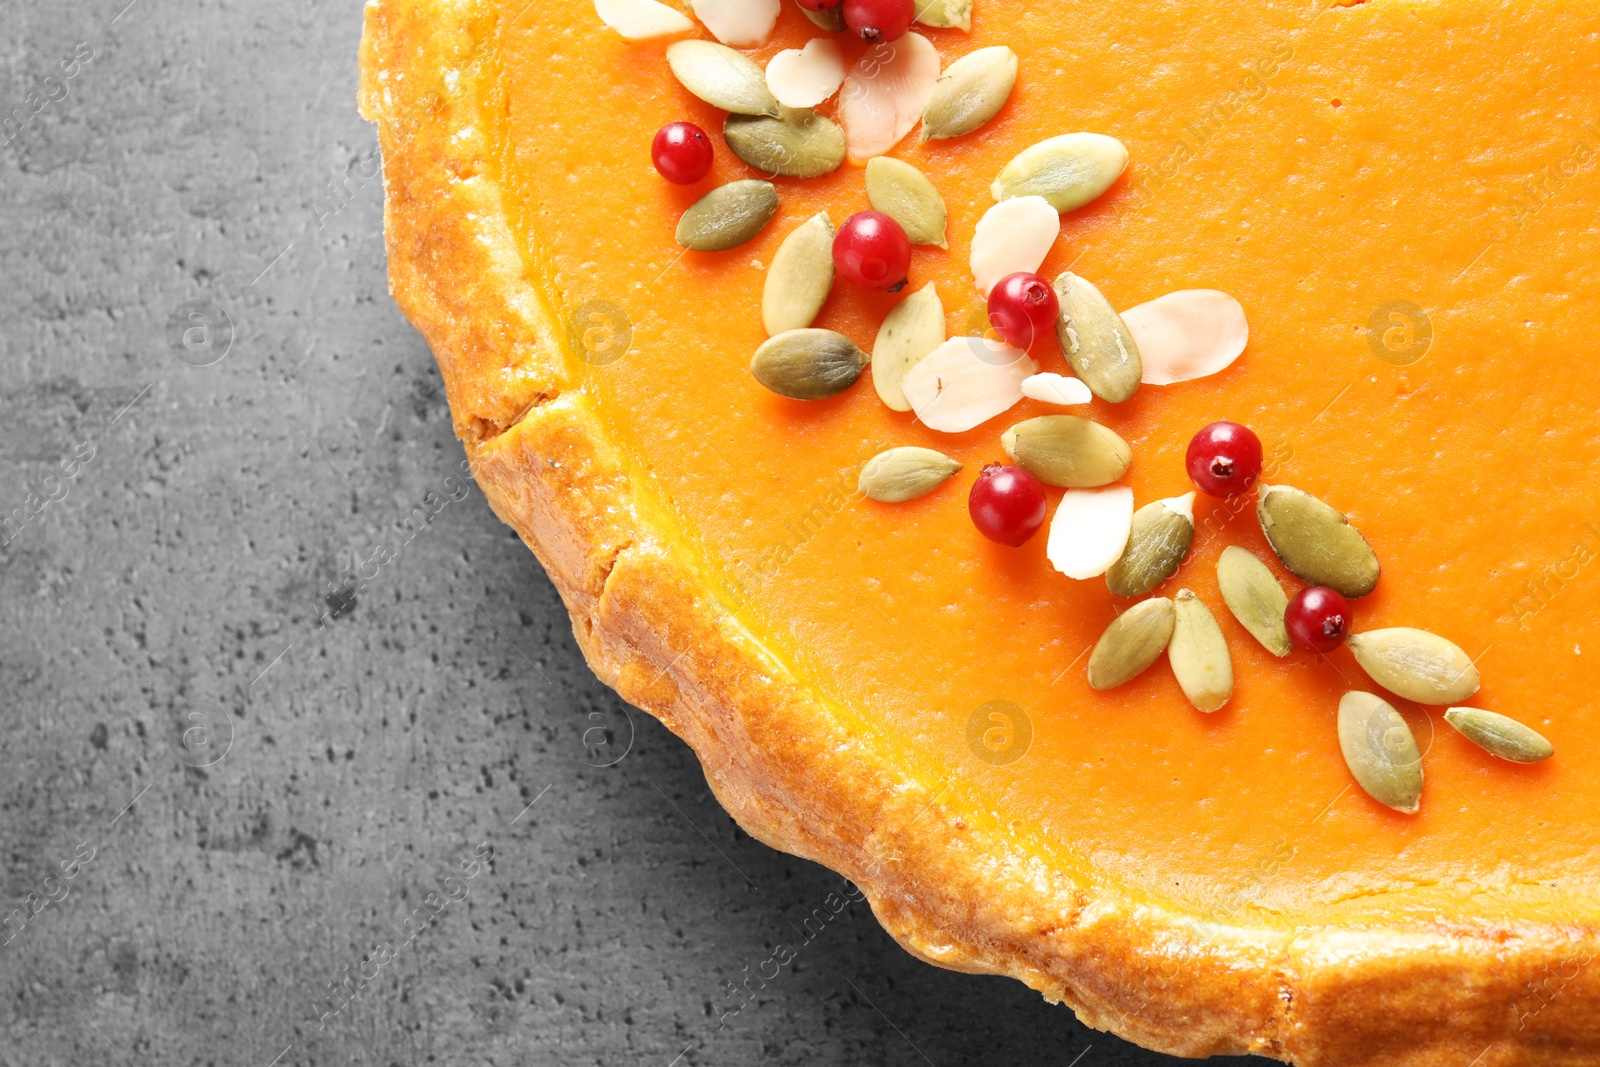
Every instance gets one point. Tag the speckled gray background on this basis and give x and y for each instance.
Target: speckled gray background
(170, 532)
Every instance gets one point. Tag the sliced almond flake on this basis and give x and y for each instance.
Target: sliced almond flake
(1180, 505)
(964, 382)
(885, 92)
(640, 20)
(1056, 389)
(805, 77)
(1192, 333)
(1013, 235)
(740, 23)
(1090, 530)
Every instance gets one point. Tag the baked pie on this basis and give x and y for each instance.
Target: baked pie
(775, 487)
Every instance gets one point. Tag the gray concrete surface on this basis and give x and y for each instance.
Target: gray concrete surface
(222, 788)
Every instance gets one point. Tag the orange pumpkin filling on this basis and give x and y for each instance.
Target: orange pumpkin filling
(1402, 196)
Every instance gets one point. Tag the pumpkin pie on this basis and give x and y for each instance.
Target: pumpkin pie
(1401, 196)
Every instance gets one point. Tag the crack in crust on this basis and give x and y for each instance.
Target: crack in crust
(956, 887)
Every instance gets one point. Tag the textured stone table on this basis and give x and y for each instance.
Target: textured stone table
(230, 775)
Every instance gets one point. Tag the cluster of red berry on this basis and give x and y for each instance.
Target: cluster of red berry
(1007, 505)
(870, 250)
(681, 151)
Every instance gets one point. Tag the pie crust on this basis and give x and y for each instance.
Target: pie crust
(949, 880)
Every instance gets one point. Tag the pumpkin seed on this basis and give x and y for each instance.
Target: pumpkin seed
(1160, 539)
(905, 473)
(722, 77)
(1096, 340)
(1415, 664)
(1500, 735)
(946, 14)
(971, 91)
(829, 18)
(727, 216)
(799, 143)
(905, 194)
(1255, 598)
(1199, 653)
(1068, 450)
(1316, 542)
(1134, 640)
(800, 278)
(808, 364)
(1069, 171)
(1380, 751)
(913, 329)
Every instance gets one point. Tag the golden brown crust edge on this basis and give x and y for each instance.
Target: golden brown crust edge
(953, 886)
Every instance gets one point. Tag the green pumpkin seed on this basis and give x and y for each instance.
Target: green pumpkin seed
(1415, 664)
(1255, 598)
(1134, 640)
(970, 92)
(905, 194)
(1380, 751)
(1500, 735)
(1069, 171)
(830, 19)
(797, 144)
(1157, 545)
(727, 216)
(808, 364)
(722, 77)
(913, 329)
(945, 14)
(800, 278)
(1316, 542)
(1068, 450)
(1096, 340)
(1199, 653)
(905, 473)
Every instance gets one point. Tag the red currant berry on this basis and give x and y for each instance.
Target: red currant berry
(1006, 504)
(1023, 308)
(879, 20)
(681, 152)
(871, 250)
(1318, 619)
(819, 5)
(1224, 459)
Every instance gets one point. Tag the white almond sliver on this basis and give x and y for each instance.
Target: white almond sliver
(640, 20)
(964, 382)
(1090, 530)
(1180, 505)
(884, 94)
(1190, 334)
(1056, 389)
(1013, 235)
(805, 77)
(738, 23)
